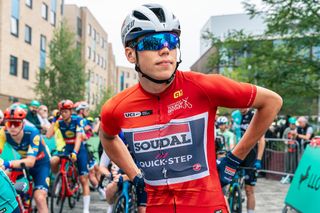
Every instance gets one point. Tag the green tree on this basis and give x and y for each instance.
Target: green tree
(106, 96)
(64, 77)
(286, 58)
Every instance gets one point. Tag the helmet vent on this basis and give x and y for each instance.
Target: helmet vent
(136, 29)
(159, 13)
(140, 16)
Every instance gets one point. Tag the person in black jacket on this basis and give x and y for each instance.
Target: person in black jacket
(32, 115)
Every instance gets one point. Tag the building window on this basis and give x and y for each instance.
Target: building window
(27, 34)
(29, 3)
(25, 70)
(94, 34)
(14, 26)
(90, 30)
(52, 18)
(62, 7)
(89, 52)
(128, 75)
(44, 11)
(79, 26)
(13, 65)
(43, 43)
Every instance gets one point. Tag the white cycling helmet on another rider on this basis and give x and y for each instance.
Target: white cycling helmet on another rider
(82, 105)
(222, 120)
(148, 18)
(1, 114)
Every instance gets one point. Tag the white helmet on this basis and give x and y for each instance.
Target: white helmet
(1, 114)
(222, 120)
(82, 105)
(146, 19)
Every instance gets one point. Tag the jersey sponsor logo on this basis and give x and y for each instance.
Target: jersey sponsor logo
(178, 94)
(170, 137)
(181, 104)
(230, 171)
(70, 134)
(196, 167)
(36, 140)
(137, 114)
(171, 153)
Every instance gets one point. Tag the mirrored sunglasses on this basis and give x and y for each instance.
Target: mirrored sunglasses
(158, 41)
(15, 124)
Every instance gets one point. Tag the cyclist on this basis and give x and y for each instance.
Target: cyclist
(117, 179)
(229, 137)
(26, 139)
(71, 128)
(8, 194)
(167, 119)
(253, 159)
(82, 110)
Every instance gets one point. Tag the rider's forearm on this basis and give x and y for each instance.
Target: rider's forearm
(50, 131)
(261, 145)
(268, 105)
(28, 161)
(77, 142)
(119, 154)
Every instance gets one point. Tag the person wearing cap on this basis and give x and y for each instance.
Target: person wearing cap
(32, 115)
(167, 119)
(290, 131)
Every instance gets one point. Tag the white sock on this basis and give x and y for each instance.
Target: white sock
(250, 210)
(86, 203)
(110, 208)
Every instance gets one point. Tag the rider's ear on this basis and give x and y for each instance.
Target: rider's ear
(130, 54)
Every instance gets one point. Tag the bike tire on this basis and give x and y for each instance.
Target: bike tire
(57, 195)
(235, 200)
(120, 205)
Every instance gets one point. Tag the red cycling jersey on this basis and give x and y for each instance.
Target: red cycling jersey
(171, 135)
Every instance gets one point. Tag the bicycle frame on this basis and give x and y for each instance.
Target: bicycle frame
(66, 162)
(125, 194)
(14, 176)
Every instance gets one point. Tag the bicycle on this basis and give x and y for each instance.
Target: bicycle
(66, 185)
(126, 200)
(25, 191)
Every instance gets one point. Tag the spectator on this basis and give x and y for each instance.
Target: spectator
(43, 117)
(304, 132)
(32, 115)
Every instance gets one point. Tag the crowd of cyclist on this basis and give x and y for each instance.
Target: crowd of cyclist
(28, 128)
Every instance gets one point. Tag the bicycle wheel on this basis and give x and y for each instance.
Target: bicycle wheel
(119, 205)
(235, 200)
(57, 195)
(73, 199)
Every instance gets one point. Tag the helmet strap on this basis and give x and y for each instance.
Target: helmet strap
(165, 81)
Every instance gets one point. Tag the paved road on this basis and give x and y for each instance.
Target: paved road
(270, 195)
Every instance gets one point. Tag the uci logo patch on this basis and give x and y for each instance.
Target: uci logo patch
(177, 94)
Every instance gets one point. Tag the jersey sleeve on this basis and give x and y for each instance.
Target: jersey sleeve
(34, 144)
(226, 92)
(80, 125)
(109, 121)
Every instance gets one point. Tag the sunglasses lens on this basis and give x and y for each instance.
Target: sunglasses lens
(158, 41)
(13, 123)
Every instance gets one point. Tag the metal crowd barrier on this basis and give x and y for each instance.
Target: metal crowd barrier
(281, 158)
